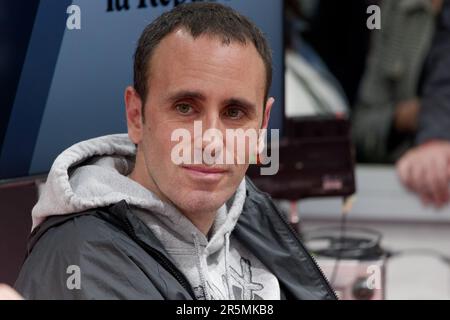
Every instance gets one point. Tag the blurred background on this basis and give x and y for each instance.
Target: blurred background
(362, 93)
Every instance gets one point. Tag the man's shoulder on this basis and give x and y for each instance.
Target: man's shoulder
(105, 257)
(72, 229)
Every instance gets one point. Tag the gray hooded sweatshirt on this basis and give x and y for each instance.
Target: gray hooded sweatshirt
(94, 173)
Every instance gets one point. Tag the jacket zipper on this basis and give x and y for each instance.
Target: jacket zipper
(310, 257)
(161, 259)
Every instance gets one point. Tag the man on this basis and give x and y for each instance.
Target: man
(425, 169)
(119, 219)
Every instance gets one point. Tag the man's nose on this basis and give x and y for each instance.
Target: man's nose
(212, 120)
(213, 134)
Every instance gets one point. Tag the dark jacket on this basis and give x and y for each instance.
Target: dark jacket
(434, 118)
(120, 258)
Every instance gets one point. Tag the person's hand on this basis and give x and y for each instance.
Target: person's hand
(425, 170)
(8, 293)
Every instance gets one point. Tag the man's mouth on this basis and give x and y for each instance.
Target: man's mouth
(205, 172)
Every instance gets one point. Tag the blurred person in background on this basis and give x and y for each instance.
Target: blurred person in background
(425, 169)
(385, 114)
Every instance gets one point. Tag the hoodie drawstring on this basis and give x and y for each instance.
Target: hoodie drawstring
(227, 266)
(199, 266)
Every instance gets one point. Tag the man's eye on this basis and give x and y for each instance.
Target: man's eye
(234, 113)
(184, 108)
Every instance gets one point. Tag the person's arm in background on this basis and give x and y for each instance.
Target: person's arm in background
(370, 132)
(425, 169)
(8, 293)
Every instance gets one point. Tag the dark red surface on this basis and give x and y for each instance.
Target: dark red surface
(16, 202)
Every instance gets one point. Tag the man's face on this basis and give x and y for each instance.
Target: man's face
(202, 79)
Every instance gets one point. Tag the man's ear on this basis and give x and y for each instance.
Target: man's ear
(265, 123)
(133, 105)
(266, 115)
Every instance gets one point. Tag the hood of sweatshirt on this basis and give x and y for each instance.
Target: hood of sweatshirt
(94, 173)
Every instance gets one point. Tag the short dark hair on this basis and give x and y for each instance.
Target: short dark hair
(199, 18)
